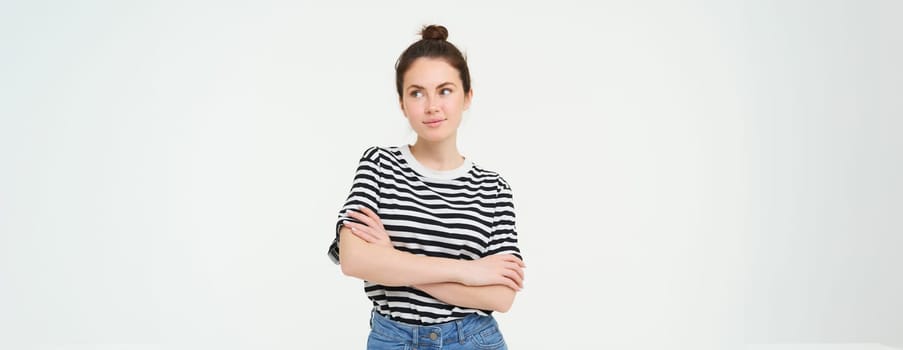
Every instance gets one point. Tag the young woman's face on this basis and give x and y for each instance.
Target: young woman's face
(433, 98)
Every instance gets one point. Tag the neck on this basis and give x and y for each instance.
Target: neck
(442, 155)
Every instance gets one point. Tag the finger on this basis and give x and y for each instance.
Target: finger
(518, 270)
(514, 277)
(517, 281)
(376, 232)
(511, 284)
(507, 282)
(373, 216)
(358, 233)
(512, 263)
(362, 233)
(366, 220)
(370, 236)
(515, 259)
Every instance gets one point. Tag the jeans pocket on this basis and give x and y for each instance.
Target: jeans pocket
(490, 339)
(378, 341)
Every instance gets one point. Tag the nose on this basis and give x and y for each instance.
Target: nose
(432, 106)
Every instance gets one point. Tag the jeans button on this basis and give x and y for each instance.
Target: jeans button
(433, 336)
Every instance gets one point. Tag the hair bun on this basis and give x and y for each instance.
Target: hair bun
(434, 32)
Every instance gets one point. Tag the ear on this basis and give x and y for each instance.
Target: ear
(467, 98)
(404, 113)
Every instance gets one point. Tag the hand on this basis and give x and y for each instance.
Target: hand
(372, 230)
(503, 269)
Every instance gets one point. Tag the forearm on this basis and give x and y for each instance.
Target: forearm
(391, 267)
(494, 297)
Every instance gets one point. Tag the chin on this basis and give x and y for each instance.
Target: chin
(433, 136)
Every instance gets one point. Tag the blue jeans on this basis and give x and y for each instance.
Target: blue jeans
(471, 332)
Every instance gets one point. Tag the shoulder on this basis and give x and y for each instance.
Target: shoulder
(371, 153)
(485, 175)
(375, 153)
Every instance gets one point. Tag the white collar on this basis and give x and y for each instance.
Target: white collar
(431, 173)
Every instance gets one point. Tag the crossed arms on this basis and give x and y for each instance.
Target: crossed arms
(366, 252)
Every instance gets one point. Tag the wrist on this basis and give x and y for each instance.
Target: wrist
(459, 271)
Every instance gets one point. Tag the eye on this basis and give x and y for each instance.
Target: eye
(416, 93)
(445, 91)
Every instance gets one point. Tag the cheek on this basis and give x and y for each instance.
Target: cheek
(454, 106)
(411, 105)
(412, 110)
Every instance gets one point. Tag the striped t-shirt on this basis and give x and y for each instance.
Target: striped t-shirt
(464, 213)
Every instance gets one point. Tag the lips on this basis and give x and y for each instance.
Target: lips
(434, 122)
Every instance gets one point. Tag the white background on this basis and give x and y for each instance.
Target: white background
(696, 175)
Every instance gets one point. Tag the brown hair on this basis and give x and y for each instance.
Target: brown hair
(432, 45)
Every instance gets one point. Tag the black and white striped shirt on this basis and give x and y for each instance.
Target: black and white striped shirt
(464, 213)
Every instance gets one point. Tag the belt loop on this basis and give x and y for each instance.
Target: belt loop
(414, 330)
(460, 327)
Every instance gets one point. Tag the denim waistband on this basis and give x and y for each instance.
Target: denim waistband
(431, 335)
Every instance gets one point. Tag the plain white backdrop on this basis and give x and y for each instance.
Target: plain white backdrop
(693, 175)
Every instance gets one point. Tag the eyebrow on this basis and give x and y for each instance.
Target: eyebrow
(414, 86)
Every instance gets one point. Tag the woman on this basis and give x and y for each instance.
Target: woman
(431, 233)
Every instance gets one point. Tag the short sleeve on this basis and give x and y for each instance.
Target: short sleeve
(364, 193)
(503, 239)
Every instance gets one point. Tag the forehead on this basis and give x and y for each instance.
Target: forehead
(431, 72)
